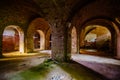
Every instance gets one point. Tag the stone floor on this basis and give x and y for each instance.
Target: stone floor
(107, 67)
(19, 68)
(58, 74)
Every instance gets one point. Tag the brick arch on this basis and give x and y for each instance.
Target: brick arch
(98, 38)
(37, 24)
(20, 35)
(109, 24)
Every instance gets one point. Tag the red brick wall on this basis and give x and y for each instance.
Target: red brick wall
(10, 43)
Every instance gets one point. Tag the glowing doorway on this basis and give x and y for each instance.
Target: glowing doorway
(73, 40)
(39, 40)
(13, 39)
(97, 41)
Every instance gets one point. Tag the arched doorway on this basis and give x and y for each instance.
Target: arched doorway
(41, 27)
(36, 38)
(13, 39)
(97, 41)
(39, 40)
(73, 40)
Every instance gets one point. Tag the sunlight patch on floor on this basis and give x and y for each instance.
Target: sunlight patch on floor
(97, 59)
(18, 55)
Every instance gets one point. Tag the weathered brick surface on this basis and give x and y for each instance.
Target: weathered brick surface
(31, 15)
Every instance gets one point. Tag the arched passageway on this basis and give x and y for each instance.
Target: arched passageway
(36, 38)
(39, 40)
(38, 35)
(97, 41)
(90, 32)
(13, 39)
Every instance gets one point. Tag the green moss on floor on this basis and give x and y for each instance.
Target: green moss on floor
(40, 72)
(35, 73)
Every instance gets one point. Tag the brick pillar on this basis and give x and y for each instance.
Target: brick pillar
(59, 43)
(118, 46)
(30, 42)
(25, 43)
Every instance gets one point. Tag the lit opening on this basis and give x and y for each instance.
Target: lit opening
(73, 40)
(97, 41)
(39, 40)
(13, 39)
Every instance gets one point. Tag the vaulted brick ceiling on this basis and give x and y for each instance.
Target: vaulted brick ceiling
(61, 8)
(50, 9)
